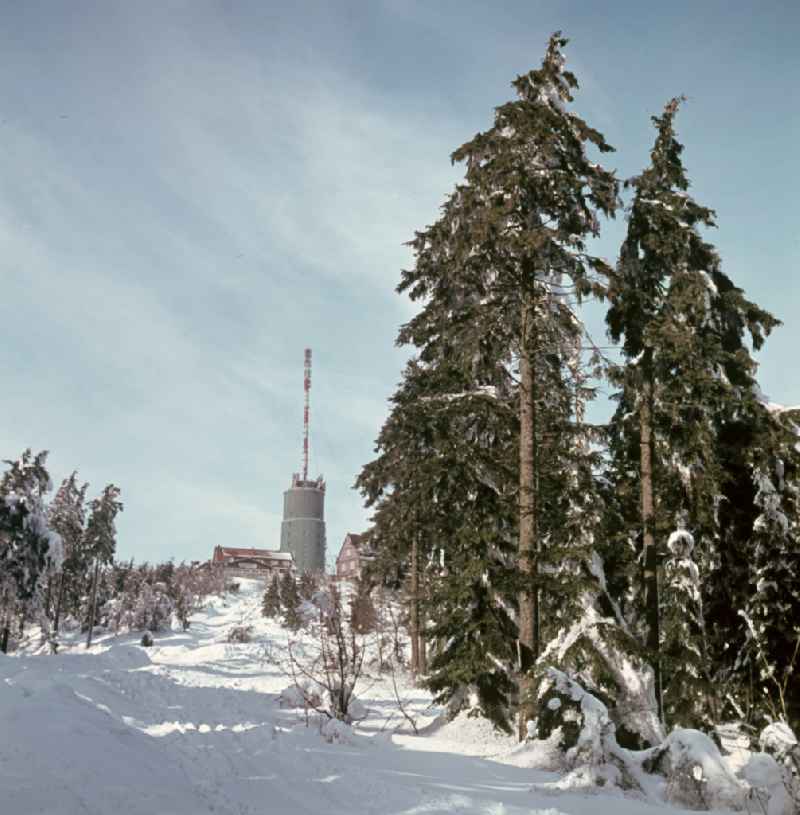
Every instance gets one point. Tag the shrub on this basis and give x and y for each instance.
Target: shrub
(240, 633)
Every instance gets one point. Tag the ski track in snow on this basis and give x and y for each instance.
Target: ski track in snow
(193, 726)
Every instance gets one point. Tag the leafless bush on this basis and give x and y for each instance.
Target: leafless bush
(401, 703)
(333, 662)
(396, 638)
(240, 633)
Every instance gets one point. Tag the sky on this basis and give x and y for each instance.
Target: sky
(191, 193)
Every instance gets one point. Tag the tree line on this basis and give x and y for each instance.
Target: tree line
(58, 566)
(654, 558)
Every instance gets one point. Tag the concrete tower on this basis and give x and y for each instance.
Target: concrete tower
(303, 527)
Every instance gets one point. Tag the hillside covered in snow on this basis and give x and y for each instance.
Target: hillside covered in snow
(195, 724)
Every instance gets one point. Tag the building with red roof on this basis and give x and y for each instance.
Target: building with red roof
(259, 563)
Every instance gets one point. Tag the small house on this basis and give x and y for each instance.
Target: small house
(353, 556)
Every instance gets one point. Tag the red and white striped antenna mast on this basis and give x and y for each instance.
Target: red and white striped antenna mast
(306, 410)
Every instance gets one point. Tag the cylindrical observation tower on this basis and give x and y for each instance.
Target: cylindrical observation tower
(303, 527)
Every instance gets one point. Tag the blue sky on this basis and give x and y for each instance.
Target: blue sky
(193, 192)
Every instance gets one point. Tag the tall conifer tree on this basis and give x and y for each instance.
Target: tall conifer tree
(443, 487)
(29, 549)
(101, 542)
(67, 516)
(773, 611)
(688, 378)
(500, 271)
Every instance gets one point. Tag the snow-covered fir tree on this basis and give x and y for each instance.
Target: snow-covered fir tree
(307, 585)
(291, 602)
(363, 614)
(500, 272)
(67, 516)
(153, 607)
(271, 602)
(184, 596)
(443, 488)
(686, 385)
(100, 542)
(30, 551)
(687, 688)
(773, 612)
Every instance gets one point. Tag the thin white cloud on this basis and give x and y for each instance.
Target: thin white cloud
(185, 206)
(180, 290)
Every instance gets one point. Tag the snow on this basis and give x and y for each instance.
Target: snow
(775, 407)
(680, 543)
(196, 725)
(710, 284)
(636, 681)
(778, 739)
(694, 754)
(489, 391)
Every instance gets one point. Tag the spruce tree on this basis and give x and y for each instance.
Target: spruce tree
(29, 549)
(773, 612)
(290, 599)
(100, 541)
(67, 516)
(687, 687)
(687, 381)
(444, 486)
(271, 604)
(307, 586)
(363, 615)
(500, 272)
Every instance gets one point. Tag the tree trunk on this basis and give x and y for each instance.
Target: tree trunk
(5, 615)
(423, 648)
(528, 643)
(59, 602)
(48, 597)
(651, 598)
(423, 651)
(92, 604)
(414, 599)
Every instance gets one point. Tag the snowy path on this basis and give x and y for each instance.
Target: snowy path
(193, 726)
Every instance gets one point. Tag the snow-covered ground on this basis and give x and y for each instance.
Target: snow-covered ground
(193, 725)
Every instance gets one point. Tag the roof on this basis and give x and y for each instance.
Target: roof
(223, 552)
(356, 539)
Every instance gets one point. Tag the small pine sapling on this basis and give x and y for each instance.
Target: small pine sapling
(290, 599)
(271, 604)
(308, 585)
(687, 688)
(363, 615)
